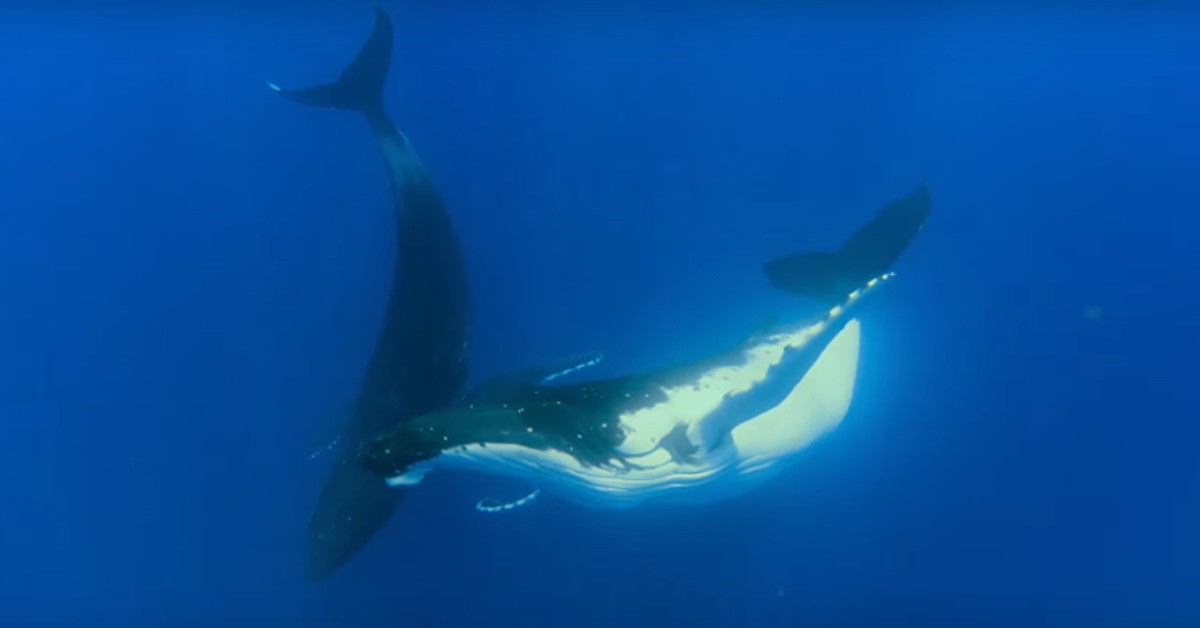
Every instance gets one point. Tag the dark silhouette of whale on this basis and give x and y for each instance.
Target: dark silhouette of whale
(419, 362)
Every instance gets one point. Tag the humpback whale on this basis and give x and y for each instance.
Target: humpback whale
(690, 433)
(419, 362)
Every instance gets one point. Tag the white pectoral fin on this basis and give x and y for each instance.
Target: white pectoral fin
(815, 405)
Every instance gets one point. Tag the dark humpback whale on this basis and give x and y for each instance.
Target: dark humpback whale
(419, 363)
(690, 433)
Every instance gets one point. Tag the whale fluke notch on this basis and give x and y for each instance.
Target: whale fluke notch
(870, 252)
(360, 87)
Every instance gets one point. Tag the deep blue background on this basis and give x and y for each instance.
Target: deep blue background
(193, 271)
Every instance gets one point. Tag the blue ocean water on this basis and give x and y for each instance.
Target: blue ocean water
(193, 273)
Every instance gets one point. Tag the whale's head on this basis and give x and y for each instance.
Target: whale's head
(403, 454)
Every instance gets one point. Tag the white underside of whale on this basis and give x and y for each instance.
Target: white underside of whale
(733, 458)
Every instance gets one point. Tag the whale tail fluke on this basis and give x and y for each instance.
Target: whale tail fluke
(870, 252)
(360, 87)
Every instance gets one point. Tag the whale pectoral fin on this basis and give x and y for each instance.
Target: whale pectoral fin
(500, 388)
(564, 367)
(869, 252)
(488, 504)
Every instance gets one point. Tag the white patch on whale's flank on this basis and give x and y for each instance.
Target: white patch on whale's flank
(562, 472)
(653, 458)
